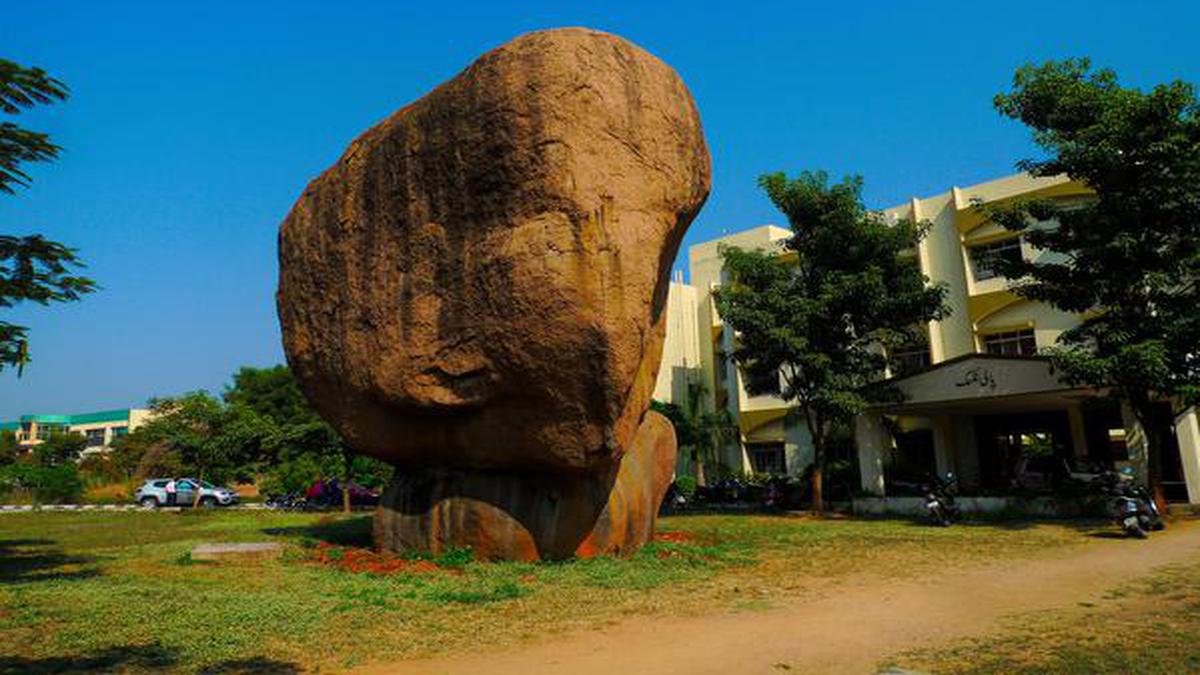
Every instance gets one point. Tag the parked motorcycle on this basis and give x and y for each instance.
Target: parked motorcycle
(725, 491)
(1132, 507)
(939, 500)
(674, 500)
(289, 501)
(785, 493)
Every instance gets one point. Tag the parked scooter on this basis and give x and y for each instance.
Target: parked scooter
(939, 500)
(1132, 507)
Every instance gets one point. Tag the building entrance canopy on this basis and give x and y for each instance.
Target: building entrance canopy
(979, 416)
(981, 382)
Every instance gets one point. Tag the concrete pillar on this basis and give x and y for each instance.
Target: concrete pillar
(966, 446)
(943, 443)
(1078, 431)
(738, 458)
(733, 388)
(1136, 444)
(1187, 433)
(797, 446)
(873, 441)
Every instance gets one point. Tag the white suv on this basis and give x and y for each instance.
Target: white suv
(153, 493)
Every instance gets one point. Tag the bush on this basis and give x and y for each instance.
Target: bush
(686, 485)
(99, 469)
(293, 475)
(9, 448)
(45, 484)
(298, 472)
(59, 449)
(158, 461)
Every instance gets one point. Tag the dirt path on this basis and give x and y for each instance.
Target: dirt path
(849, 631)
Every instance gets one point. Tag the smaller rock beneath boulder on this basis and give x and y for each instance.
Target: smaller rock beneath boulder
(260, 550)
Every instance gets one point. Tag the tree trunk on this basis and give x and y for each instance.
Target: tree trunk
(199, 483)
(347, 461)
(699, 466)
(818, 472)
(1146, 414)
(817, 433)
(818, 478)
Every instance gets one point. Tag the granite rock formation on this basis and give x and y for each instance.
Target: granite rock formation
(475, 291)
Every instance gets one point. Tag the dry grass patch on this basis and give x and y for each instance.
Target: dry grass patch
(119, 590)
(1148, 627)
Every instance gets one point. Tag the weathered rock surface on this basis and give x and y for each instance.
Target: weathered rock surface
(479, 284)
(529, 516)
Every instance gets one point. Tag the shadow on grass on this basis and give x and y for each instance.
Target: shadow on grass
(352, 531)
(1109, 534)
(252, 666)
(997, 521)
(1001, 522)
(146, 658)
(29, 560)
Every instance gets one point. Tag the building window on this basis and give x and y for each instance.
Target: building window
(767, 458)
(910, 358)
(985, 258)
(1118, 445)
(95, 438)
(117, 432)
(765, 385)
(1014, 343)
(45, 431)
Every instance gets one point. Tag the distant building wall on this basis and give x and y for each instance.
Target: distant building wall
(100, 428)
(681, 349)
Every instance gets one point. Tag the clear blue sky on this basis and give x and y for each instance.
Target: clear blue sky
(193, 126)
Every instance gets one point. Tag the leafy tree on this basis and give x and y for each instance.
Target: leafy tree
(126, 454)
(46, 484)
(214, 440)
(270, 392)
(10, 448)
(49, 472)
(99, 468)
(158, 459)
(59, 449)
(700, 432)
(261, 425)
(814, 323)
(1129, 259)
(305, 448)
(32, 268)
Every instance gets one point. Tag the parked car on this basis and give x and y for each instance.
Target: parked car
(153, 493)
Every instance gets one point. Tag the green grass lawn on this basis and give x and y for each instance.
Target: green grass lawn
(118, 591)
(1152, 628)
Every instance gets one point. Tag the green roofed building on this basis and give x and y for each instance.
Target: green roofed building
(100, 428)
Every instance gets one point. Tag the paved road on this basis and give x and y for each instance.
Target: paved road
(253, 506)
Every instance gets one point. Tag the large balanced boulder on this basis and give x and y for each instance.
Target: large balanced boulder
(475, 291)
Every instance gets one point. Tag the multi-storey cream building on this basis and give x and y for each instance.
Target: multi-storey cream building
(100, 428)
(978, 399)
